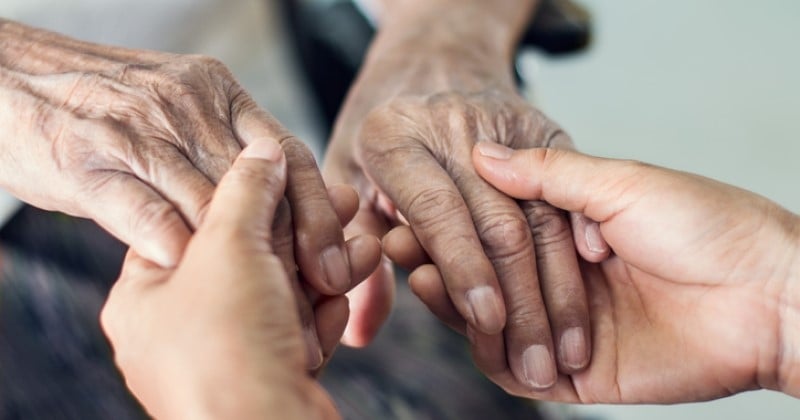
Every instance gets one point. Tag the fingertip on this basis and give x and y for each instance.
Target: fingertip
(364, 252)
(514, 172)
(589, 240)
(264, 148)
(573, 350)
(402, 247)
(486, 309)
(344, 200)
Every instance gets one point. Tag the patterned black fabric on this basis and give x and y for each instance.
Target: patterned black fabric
(55, 363)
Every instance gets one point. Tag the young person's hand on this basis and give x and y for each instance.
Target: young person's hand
(700, 298)
(219, 336)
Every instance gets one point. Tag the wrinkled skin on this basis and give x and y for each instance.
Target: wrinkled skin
(219, 336)
(137, 140)
(438, 79)
(698, 301)
(412, 165)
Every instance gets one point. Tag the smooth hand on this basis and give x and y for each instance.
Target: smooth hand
(219, 336)
(699, 298)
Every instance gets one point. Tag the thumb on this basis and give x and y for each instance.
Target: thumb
(248, 195)
(596, 187)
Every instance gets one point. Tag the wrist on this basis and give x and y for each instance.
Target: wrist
(451, 44)
(788, 369)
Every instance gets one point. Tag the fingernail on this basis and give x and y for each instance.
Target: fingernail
(263, 149)
(573, 348)
(594, 238)
(538, 366)
(494, 150)
(313, 348)
(487, 309)
(337, 275)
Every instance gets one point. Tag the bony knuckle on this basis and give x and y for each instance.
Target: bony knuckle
(548, 224)
(506, 236)
(153, 216)
(528, 316)
(434, 207)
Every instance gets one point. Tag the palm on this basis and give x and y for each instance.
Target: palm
(661, 340)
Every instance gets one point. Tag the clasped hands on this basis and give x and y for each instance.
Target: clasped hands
(139, 141)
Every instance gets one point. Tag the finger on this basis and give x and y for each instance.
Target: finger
(507, 242)
(428, 286)
(568, 180)
(141, 217)
(402, 247)
(487, 350)
(372, 300)
(211, 146)
(319, 241)
(588, 240)
(283, 247)
(561, 284)
(344, 200)
(331, 315)
(426, 195)
(170, 173)
(364, 253)
(248, 195)
(370, 305)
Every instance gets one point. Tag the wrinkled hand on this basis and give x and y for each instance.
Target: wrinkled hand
(697, 301)
(510, 269)
(219, 336)
(137, 140)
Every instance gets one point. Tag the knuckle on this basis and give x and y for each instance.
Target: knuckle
(153, 216)
(548, 225)
(505, 236)
(432, 208)
(528, 317)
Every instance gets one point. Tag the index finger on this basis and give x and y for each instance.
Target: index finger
(319, 241)
(427, 197)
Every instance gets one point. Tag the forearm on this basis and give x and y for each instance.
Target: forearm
(35, 51)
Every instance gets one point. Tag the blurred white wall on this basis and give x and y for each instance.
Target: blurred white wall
(709, 86)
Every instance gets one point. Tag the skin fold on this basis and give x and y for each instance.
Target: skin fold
(137, 140)
(698, 300)
(438, 79)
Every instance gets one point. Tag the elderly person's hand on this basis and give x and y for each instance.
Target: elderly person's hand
(219, 336)
(137, 141)
(700, 298)
(437, 80)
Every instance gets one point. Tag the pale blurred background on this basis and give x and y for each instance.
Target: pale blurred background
(711, 87)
